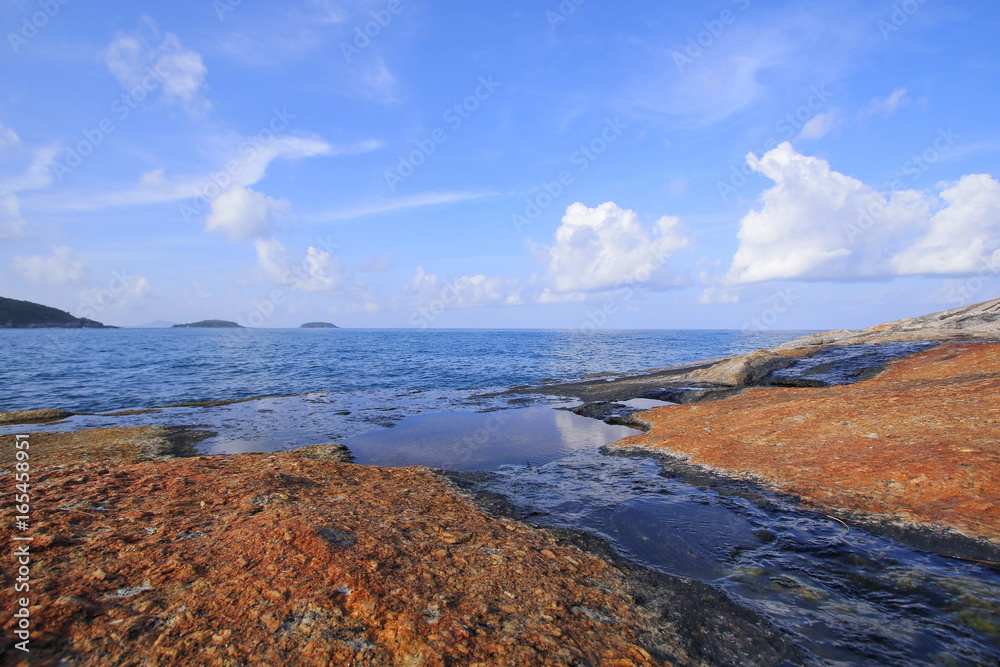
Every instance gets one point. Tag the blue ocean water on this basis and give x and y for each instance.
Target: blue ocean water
(102, 370)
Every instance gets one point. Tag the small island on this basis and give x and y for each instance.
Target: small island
(319, 325)
(209, 324)
(15, 314)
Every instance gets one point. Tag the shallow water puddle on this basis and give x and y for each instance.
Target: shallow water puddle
(483, 440)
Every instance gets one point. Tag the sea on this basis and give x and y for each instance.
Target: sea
(102, 370)
(440, 398)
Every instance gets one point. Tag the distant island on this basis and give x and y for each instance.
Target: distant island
(209, 324)
(319, 325)
(15, 314)
(156, 324)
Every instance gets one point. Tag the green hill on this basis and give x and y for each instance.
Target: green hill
(319, 325)
(15, 314)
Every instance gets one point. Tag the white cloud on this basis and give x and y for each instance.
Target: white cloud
(321, 272)
(36, 175)
(245, 166)
(464, 291)
(317, 271)
(605, 247)
(11, 222)
(818, 224)
(291, 148)
(820, 125)
(888, 106)
(123, 291)
(8, 139)
(59, 269)
(378, 81)
(962, 236)
(179, 72)
(242, 213)
(717, 295)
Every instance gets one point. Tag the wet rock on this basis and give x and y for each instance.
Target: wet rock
(33, 416)
(108, 445)
(687, 395)
(744, 370)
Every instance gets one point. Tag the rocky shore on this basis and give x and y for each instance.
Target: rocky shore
(144, 552)
(299, 558)
(895, 426)
(915, 447)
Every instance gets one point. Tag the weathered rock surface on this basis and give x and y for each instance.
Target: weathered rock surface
(16, 417)
(919, 444)
(715, 379)
(108, 446)
(286, 560)
(980, 321)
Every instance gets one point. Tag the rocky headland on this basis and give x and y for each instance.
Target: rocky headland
(16, 314)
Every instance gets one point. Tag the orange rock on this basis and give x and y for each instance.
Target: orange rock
(920, 442)
(291, 577)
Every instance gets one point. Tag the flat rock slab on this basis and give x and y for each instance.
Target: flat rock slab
(918, 444)
(17, 417)
(291, 560)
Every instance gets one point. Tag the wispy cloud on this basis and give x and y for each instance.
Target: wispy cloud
(246, 169)
(403, 203)
(887, 106)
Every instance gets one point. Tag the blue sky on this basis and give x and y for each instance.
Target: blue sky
(727, 164)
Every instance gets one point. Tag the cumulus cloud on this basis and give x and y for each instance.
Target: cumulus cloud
(962, 236)
(317, 271)
(58, 269)
(819, 224)
(179, 72)
(605, 247)
(242, 213)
